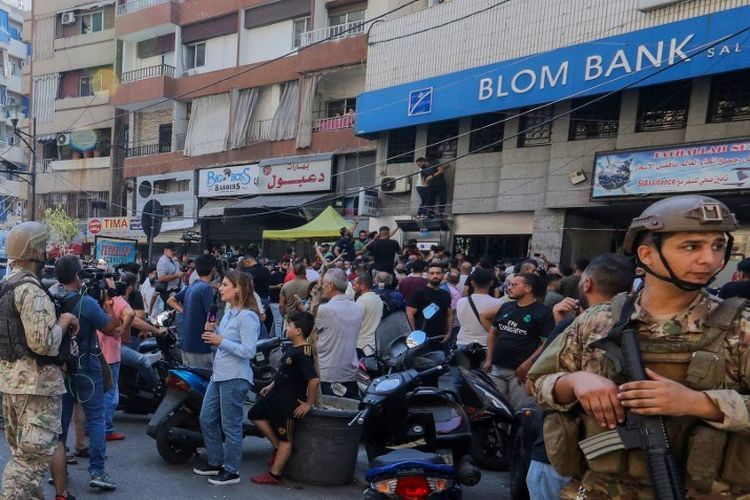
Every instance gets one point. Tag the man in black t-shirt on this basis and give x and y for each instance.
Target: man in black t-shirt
(429, 308)
(483, 263)
(291, 395)
(383, 250)
(739, 288)
(518, 331)
(345, 245)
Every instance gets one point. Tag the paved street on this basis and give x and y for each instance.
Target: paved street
(141, 473)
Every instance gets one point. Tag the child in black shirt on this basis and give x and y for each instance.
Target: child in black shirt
(291, 395)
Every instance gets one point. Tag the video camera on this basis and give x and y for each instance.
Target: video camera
(95, 284)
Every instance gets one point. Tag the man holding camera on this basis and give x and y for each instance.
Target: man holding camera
(30, 379)
(89, 383)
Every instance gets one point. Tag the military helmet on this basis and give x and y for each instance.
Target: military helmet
(27, 241)
(684, 213)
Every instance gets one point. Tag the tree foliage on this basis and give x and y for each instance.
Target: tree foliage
(63, 228)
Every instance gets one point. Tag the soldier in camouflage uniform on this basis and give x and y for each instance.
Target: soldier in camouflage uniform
(681, 242)
(31, 391)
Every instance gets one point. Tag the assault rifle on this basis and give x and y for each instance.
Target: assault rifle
(639, 431)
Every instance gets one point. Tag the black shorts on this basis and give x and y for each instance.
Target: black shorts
(282, 422)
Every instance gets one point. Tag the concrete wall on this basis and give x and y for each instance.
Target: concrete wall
(221, 53)
(266, 42)
(496, 35)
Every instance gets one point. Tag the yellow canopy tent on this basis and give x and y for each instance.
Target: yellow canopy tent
(326, 225)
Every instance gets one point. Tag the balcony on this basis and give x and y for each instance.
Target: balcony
(136, 5)
(153, 149)
(333, 123)
(332, 32)
(94, 162)
(147, 72)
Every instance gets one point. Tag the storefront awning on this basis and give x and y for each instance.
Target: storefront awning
(217, 208)
(500, 223)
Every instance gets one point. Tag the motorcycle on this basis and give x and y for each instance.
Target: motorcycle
(491, 416)
(415, 432)
(136, 395)
(175, 426)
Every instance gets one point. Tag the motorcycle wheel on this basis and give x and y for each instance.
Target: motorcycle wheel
(487, 449)
(173, 453)
(519, 468)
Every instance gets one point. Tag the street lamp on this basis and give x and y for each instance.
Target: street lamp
(14, 111)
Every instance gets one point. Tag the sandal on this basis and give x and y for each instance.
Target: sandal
(265, 478)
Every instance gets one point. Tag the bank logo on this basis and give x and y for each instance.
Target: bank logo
(420, 101)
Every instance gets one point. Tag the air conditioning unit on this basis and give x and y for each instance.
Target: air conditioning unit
(395, 184)
(68, 18)
(62, 139)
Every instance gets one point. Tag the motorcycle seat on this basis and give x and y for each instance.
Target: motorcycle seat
(203, 372)
(407, 455)
(147, 345)
(266, 345)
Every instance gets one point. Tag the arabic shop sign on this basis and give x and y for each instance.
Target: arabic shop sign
(664, 53)
(234, 180)
(115, 251)
(721, 166)
(297, 174)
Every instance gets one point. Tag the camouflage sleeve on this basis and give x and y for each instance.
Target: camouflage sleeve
(734, 401)
(38, 317)
(562, 356)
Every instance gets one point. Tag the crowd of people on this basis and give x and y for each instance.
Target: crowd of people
(330, 306)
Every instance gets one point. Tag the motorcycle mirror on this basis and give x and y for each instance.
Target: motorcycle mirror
(416, 339)
(163, 318)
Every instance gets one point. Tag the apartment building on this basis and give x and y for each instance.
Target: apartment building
(240, 114)
(557, 130)
(13, 154)
(69, 79)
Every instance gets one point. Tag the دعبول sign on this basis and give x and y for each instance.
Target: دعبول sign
(718, 166)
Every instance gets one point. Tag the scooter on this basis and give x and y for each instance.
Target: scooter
(136, 395)
(415, 433)
(176, 424)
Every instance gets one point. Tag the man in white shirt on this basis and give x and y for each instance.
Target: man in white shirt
(372, 305)
(476, 325)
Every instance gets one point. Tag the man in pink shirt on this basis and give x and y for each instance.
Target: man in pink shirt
(110, 347)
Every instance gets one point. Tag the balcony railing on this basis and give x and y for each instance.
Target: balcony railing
(150, 149)
(334, 123)
(134, 5)
(147, 72)
(338, 31)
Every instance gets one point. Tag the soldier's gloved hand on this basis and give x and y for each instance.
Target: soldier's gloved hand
(598, 397)
(68, 323)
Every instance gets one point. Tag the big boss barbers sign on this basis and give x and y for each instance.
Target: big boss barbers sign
(705, 45)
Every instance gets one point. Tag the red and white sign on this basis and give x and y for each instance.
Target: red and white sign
(296, 176)
(95, 226)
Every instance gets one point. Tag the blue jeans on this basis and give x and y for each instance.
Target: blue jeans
(278, 320)
(111, 399)
(89, 388)
(544, 482)
(222, 411)
(135, 359)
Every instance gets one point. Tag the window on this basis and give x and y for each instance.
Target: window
(92, 22)
(663, 107)
(88, 85)
(196, 55)
(535, 127)
(349, 17)
(596, 120)
(301, 25)
(171, 186)
(165, 138)
(442, 140)
(730, 97)
(487, 133)
(340, 107)
(401, 145)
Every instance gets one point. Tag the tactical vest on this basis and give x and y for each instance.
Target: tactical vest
(706, 453)
(13, 345)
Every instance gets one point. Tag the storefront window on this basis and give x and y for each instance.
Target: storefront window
(535, 127)
(498, 248)
(487, 133)
(442, 140)
(730, 97)
(663, 107)
(401, 145)
(596, 120)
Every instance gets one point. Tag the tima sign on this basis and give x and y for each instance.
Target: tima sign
(676, 51)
